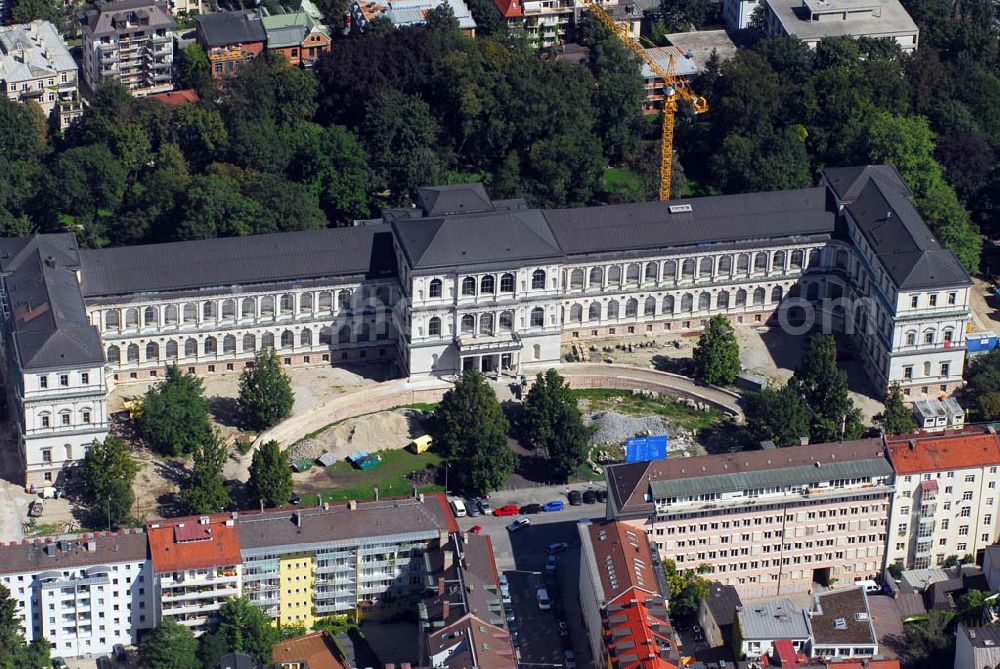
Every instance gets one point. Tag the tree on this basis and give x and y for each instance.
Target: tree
(823, 386)
(205, 489)
(14, 652)
(896, 417)
(486, 14)
(552, 422)
(971, 607)
(26, 11)
(175, 418)
(270, 475)
(717, 355)
(108, 472)
(266, 396)
(983, 376)
(193, 68)
(777, 415)
(169, 646)
(241, 628)
(470, 430)
(930, 643)
(687, 587)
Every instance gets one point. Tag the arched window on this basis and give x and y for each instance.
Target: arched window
(486, 324)
(267, 340)
(576, 279)
(812, 292)
(705, 268)
(778, 260)
(287, 304)
(229, 344)
(704, 301)
(325, 335)
(670, 270)
(170, 314)
(760, 262)
(468, 286)
(506, 321)
(325, 301)
(594, 313)
(382, 295)
(776, 293)
(248, 308)
(190, 347)
(687, 269)
(613, 309)
(742, 263)
(538, 279)
(911, 338)
(507, 283)
(208, 311)
(576, 313)
(468, 324)
(267, 306)
(249, 343)
(796, 259)
(366, 332)
(152, 351)
(344, 299)
(948, 334)
(668, 304)
(434, 327)
(306, 337)
(228, 310)
(114, 354)
(722, 301)
(815, 257)
(344, 335)
(305, 303)
(149, 318)
(171, 350)
(487, 284)
(132, 353)
(536, 352)
(614, 275)
(211, 345)
(131, 318)
(929, 336)
(632, 273)
(649, 307)
(927, 369)
(287, 339)
(758, 296)
(687, 302)
(434, 289)
(537, 317)
(741, 298)
(841, 259)
(725, 264)
(631, 308)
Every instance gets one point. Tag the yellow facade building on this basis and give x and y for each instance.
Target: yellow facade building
(295, 598)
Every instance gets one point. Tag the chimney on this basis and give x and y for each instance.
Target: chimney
(449, 559)
(50, 262)
(445, 609)
(913, 444)
(440, 585)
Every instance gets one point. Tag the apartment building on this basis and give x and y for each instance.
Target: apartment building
(297, 36)
(84, 594)
(814, 20)
(550, 22)
(230, 39)
(405, 13)
(623, 599)
(131, 41)
(738, 14)
(946, 496)
(769, 522)
(196, 567)
(36, 66)
(54, 374)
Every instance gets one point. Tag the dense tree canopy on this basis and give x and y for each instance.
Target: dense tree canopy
(896, 417)
(266, 395)
(14, 652)
(552, 422)
(205, 489)
(169, 646)
(270, 480)
(241, 627)
(717, 355)
(175, 416)
(108, 472)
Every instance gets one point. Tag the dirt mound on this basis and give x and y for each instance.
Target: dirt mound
(375, 432)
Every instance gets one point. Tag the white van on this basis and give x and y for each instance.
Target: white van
(544, 603)
(870, 586)
(458, 508)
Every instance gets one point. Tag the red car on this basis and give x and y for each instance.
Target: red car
(507, 510)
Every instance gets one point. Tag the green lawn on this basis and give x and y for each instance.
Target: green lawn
(389, 477)
(621, 180)
(624, 402)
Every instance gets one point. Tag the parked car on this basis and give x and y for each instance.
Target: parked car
(602, 496)
(557, 547)
(570, 659)
(506, 510)
(554, 505)
(552, 563)
(476, 529)
(505, 593)
(575, 498)
(58, 663)
(295, 499)
(544, 601)
(458, 508)
(518, 524)
(472, 508)
(36, 508)
(531, 508)
(589, 497)
(484, 506)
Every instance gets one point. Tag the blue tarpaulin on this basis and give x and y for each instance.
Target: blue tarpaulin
(644, 449)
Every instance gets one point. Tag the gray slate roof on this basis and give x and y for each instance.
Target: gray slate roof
(879, 202)
(284, 256)
(846, 603)
(73, 551)
(48, 325)
(33, 50)
(109, 17)
(772, 620)
(226, 28)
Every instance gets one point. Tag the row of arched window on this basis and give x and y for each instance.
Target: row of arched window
(669, 305)
(488, 284)
(929, 336)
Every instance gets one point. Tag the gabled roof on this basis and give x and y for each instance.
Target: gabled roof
(510, 8)
(918, 453)
(470, 642)
(878, 201)
(640, 633)
(227, 28)
(173, 547)
(288, 30)
(311, 649)
(623, 560)
(177, 98)
(72, 551)
(109, 18)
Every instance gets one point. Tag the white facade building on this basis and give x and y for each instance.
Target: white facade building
(36, 66)
(814, 20)
(83, 594)
(737, 14)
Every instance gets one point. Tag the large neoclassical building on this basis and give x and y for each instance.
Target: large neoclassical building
(462, 281)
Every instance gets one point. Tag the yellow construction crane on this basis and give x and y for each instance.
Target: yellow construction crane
(673, 88)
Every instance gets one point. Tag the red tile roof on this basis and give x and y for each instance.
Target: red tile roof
(312, 649)
(917, 453)
(193, 543)
(175, 98)
(623, 559)
(449, 516)
(635, 639)
(510, 8)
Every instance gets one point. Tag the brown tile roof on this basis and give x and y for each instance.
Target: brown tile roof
(917, 453)
(623, 559)
(72, 551)
(313, 649)
(640, 634)
(177, 98)
(843, 604)
(471, 642)
(193, 543)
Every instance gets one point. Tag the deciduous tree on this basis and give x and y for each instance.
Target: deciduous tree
(896, 417)
(14, 652)
(241, 628)
(687, 587)
(717, 355)
(823, 386)
(266, 395)
(175, 417)
(108, 472)
(205, 489)
(777, 415)
(169, 646)
(552, 422)
(270, 475)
